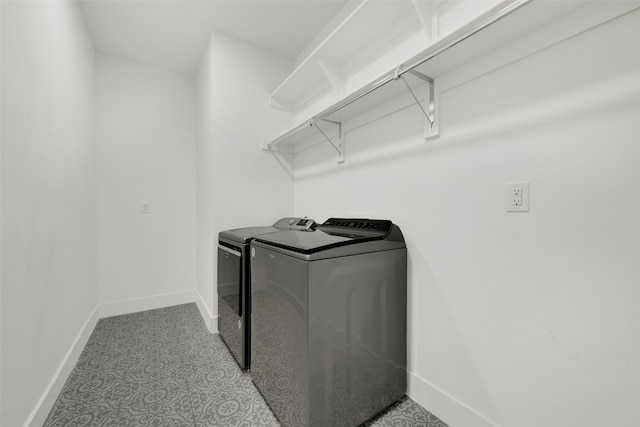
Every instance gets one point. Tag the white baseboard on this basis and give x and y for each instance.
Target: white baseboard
(147, 303)
(443, 405)
(45, 404)
(210, 320)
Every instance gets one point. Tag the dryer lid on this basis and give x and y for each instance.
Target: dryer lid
(246, 234)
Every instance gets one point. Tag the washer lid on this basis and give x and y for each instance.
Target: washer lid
(304, 241)
(333, 233)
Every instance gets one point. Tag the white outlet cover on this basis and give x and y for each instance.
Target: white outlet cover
(517, 199)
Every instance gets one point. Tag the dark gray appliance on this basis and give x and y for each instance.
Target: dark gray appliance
(234, 280)
(329, 321)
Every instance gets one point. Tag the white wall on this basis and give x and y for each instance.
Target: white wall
(48, 196)
(515, 319)
(145, 136)
(238, 184)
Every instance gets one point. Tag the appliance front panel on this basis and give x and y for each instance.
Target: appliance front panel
(230, 300)
(279, 333)
(357, 336)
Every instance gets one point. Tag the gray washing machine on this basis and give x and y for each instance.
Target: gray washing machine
(234, 279)
(329, 321)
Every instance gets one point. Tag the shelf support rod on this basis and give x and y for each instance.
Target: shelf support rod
(338, 147)
(430, 115)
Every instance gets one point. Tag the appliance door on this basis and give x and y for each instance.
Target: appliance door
(230, 299)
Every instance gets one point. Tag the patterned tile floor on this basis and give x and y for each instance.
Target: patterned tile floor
(163, 368)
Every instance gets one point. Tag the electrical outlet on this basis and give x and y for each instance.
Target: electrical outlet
(518, 197)
(145, 207)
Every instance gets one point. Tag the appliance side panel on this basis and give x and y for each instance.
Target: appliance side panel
(279, 362)
(357, 336)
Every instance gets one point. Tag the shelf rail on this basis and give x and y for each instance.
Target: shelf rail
(434, 50)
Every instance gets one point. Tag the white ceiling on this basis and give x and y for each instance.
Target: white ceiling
(173, 34)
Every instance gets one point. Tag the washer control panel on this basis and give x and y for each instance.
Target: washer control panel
(357, 225)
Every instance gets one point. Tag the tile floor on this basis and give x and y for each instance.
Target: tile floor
(163, 368)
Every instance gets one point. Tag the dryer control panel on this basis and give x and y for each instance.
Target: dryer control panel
(295, 223)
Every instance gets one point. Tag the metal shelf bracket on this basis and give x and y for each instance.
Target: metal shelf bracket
(269, 146)
(339, 147)
(429, 112)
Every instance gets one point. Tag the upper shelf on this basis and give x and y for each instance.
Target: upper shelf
(367, 31)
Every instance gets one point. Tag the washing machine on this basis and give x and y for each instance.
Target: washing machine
(329, 321)
(234, 280)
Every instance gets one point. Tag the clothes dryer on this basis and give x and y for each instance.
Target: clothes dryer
(234, 280)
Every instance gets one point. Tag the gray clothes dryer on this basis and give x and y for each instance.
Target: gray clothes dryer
(329, 321)
(234, 280)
